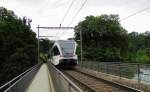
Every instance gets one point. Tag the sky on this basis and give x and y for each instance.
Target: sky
(51, 12)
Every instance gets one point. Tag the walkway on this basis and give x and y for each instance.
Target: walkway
(42, 81)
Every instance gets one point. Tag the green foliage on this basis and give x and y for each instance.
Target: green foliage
(103, 38)
(18, 45)
(45, 46)
(140, 47)
(142, 57)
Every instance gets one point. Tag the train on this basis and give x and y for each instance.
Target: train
(63, 54)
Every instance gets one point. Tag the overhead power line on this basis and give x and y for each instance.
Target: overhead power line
(136, 13)
(78, 12)
(67, 11)
(69, 8)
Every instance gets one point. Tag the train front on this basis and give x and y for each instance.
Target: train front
(68, 57)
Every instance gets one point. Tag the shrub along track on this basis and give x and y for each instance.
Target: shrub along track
(90, 83)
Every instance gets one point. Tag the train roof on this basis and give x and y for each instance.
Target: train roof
(59, 42)
(65, 41)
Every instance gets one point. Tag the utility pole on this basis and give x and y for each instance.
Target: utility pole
(81, 45)
(38, 46)
(60, 27)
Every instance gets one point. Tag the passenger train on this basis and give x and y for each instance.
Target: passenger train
(63, 54)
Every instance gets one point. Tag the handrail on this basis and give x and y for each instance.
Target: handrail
(21, 82)
(9, 82)
(53, 69)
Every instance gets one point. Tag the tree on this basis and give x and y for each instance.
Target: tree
(18, 45)
(45, 46)
(140, 47)
(105, 33)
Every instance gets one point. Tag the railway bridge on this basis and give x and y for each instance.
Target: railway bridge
(87, 77)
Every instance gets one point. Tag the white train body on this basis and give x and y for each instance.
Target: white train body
(63, 53)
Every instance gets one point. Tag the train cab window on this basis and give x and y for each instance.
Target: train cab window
(67, 47)
(56, 51)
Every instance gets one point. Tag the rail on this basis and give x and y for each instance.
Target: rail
(21, 82)
(60, 81)
(96, 84)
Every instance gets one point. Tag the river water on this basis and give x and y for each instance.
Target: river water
(144, 75)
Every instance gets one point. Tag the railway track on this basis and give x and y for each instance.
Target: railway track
(89, 83)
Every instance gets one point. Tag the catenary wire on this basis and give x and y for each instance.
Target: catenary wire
(136, 13)
(83, 4)
(67, 11)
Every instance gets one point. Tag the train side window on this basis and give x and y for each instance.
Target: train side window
(56, 51)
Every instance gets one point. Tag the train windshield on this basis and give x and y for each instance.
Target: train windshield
(67, 48)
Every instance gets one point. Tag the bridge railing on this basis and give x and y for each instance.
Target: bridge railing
(61, 82)
(21, 82)
(130, 71)
(139, 73)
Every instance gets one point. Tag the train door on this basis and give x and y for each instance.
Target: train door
(55, 56)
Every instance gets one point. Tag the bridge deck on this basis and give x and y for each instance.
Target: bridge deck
(42, 81)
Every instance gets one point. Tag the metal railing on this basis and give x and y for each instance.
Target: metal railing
(130, 71)
(133, 73)
(21, 82)
(61, 82)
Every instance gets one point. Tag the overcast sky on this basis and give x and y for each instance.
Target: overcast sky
(51, 12)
